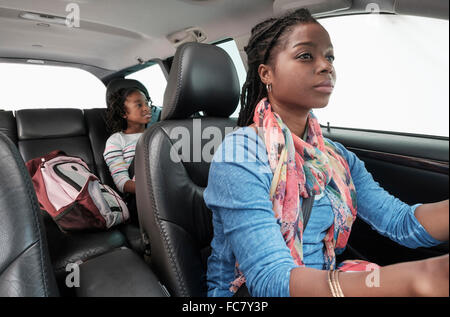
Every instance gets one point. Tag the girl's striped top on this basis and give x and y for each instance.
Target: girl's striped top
(119, 152)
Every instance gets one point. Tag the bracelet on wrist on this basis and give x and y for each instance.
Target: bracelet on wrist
(333, 282)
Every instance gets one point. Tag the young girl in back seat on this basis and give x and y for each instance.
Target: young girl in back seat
(127, 115)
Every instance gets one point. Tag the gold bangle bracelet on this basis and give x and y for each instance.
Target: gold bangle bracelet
(330, 283)
(337, 286)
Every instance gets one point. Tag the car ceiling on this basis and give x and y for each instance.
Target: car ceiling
(115, 34)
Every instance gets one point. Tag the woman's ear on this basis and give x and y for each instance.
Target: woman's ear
(265, 74)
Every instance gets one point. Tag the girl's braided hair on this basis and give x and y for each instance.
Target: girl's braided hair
(265, 37)
(116, 109)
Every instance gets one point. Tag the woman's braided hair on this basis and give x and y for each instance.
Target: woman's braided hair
(264, 38)
(116, 109)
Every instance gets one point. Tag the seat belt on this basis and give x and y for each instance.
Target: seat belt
(306, 209)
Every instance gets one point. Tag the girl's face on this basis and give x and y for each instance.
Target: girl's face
(137, 110)
(302, 72)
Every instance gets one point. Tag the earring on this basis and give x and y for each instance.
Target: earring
(269, 87)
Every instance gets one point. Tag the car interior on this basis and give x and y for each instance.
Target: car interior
(165, 253)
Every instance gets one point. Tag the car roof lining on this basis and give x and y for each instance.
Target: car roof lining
(96, 71)
(105, 44)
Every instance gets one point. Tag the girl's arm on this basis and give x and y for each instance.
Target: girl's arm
(115, 161)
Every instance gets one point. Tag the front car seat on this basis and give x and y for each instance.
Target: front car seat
(25, 268)
(172, 172)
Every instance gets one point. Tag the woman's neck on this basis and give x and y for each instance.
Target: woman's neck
(295, 120)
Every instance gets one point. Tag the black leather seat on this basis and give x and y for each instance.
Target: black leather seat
(107, 267)
(40, 131)
(82, 133)
(8, 125)
(172, 212)
(120, 273)
(25, 268)
(97, 133)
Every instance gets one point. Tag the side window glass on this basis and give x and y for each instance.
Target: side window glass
(154, 80)
(231, 48)
(26, 86)
(392, 74)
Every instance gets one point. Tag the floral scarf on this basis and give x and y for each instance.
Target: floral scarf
(303, 169)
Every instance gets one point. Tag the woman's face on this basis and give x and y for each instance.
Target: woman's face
(302, 72)
(137, 109)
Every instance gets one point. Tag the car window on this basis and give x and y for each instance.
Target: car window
(25, 86)
(231, 48)
(392, 74)
(154, 80)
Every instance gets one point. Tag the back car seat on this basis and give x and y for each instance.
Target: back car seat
(25, 267)
(40, 131)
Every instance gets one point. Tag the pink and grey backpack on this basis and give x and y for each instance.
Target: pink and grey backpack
(73, 196)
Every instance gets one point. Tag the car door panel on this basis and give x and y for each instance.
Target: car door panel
(412, 168)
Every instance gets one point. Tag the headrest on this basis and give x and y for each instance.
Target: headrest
(8, 125)
(49, 123)
(119, 83)
(202, 78)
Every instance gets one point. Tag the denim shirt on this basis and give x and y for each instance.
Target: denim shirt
(246, 231)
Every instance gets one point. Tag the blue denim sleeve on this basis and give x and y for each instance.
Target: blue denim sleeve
(383, 212)
(238, 192)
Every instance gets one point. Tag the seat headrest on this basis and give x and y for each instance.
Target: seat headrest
(202, 78)
(120, 83)
(49, 123)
